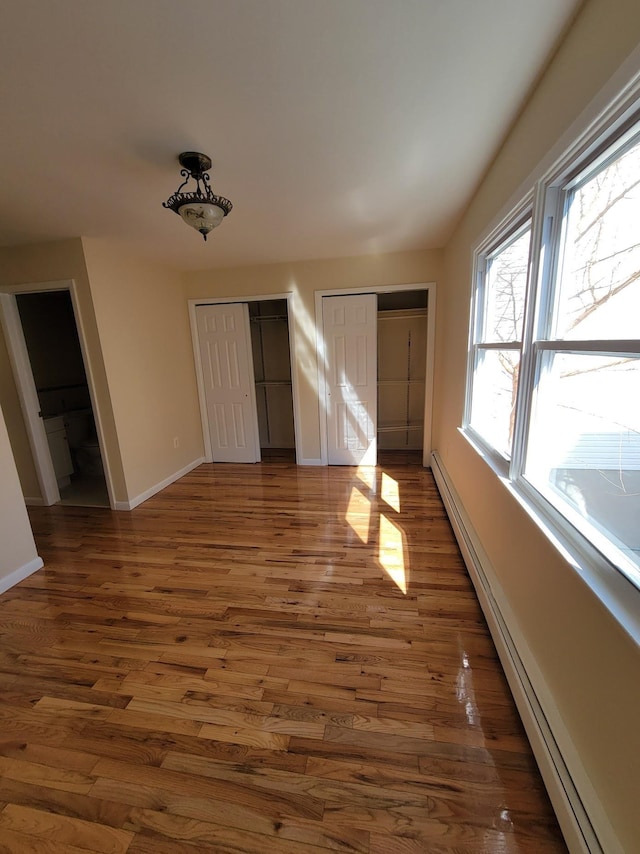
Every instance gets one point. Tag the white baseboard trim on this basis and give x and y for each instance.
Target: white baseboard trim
(20, 574)
(158, 487)
(551, 743)
(303, 461)
(33, 502)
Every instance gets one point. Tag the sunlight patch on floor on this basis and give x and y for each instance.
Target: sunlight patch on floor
(359, 514)
(392, 552)
(390, 491)
(367, 474)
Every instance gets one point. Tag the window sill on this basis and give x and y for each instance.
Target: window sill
(617, 593)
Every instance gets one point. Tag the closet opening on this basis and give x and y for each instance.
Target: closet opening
(401, 376)
(269, 324)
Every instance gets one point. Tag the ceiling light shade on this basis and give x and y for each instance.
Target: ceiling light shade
(199, 207)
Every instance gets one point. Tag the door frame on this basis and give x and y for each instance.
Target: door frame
(26, 388)
(430, 288)
(192, 304)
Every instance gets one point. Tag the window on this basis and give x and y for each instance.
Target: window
(495, 354)
(501, 274)
(572, 442)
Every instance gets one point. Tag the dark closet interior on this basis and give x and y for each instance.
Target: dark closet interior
(272, 370)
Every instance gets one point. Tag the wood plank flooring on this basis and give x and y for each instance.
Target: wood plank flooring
(260, 659)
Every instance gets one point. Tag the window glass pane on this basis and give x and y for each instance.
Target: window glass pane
(584, 443)
(599, 283)
(494, 397)
(505, 284)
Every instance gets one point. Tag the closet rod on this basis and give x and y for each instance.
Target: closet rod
(260, 318)
(401, 427)
(408, 314)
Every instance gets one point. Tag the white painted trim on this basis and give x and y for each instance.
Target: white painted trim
(321, 359)
(206, 437)
(34, 502)
(20, 574)
(584, 823)
(429, 375)
(95, 408)
(28, 396)
(615, 590)
(430, 288)
(242, 298)
(311, 461)
(202, 401)
(295, 393)
(158, 487)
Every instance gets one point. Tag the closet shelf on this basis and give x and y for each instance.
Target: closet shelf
(402, 314)
(394, 428)
(266, 318)
(405, 382)
(270, 383)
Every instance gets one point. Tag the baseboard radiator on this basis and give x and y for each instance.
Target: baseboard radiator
(546, 745)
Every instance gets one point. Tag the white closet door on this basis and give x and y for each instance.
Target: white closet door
(227, 371)
(350, 341)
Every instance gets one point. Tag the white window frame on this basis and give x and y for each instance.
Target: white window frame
(522, 215)
(546, 199)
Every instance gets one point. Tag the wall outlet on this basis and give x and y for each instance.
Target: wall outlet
(176, 442)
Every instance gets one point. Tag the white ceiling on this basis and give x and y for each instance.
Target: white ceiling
(336, 127)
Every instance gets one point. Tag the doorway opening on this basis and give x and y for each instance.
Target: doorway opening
(269, 321)
(246, 386)
(57, 365)
(402, 363)
(376, 352)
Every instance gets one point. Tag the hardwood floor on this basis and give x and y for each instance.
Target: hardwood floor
(260, 659)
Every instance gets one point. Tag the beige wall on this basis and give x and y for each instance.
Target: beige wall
(590, 665)
(143, 322)
(48, 262)
(135, 323)
(10, 403)
(135, 320)
(18, 548)
(303, 279)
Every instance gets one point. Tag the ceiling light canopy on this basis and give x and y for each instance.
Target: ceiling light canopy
(200, 207)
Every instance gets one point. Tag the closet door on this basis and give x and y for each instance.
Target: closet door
(350, 343)
(227, 370)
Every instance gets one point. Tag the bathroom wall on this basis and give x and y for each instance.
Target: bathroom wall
(49, 328)
(142, 317)
(23, 268)
(18, 555)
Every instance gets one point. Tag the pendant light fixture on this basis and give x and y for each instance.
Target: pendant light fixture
(200, 207)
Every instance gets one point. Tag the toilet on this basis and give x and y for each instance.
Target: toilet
(83, 442)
